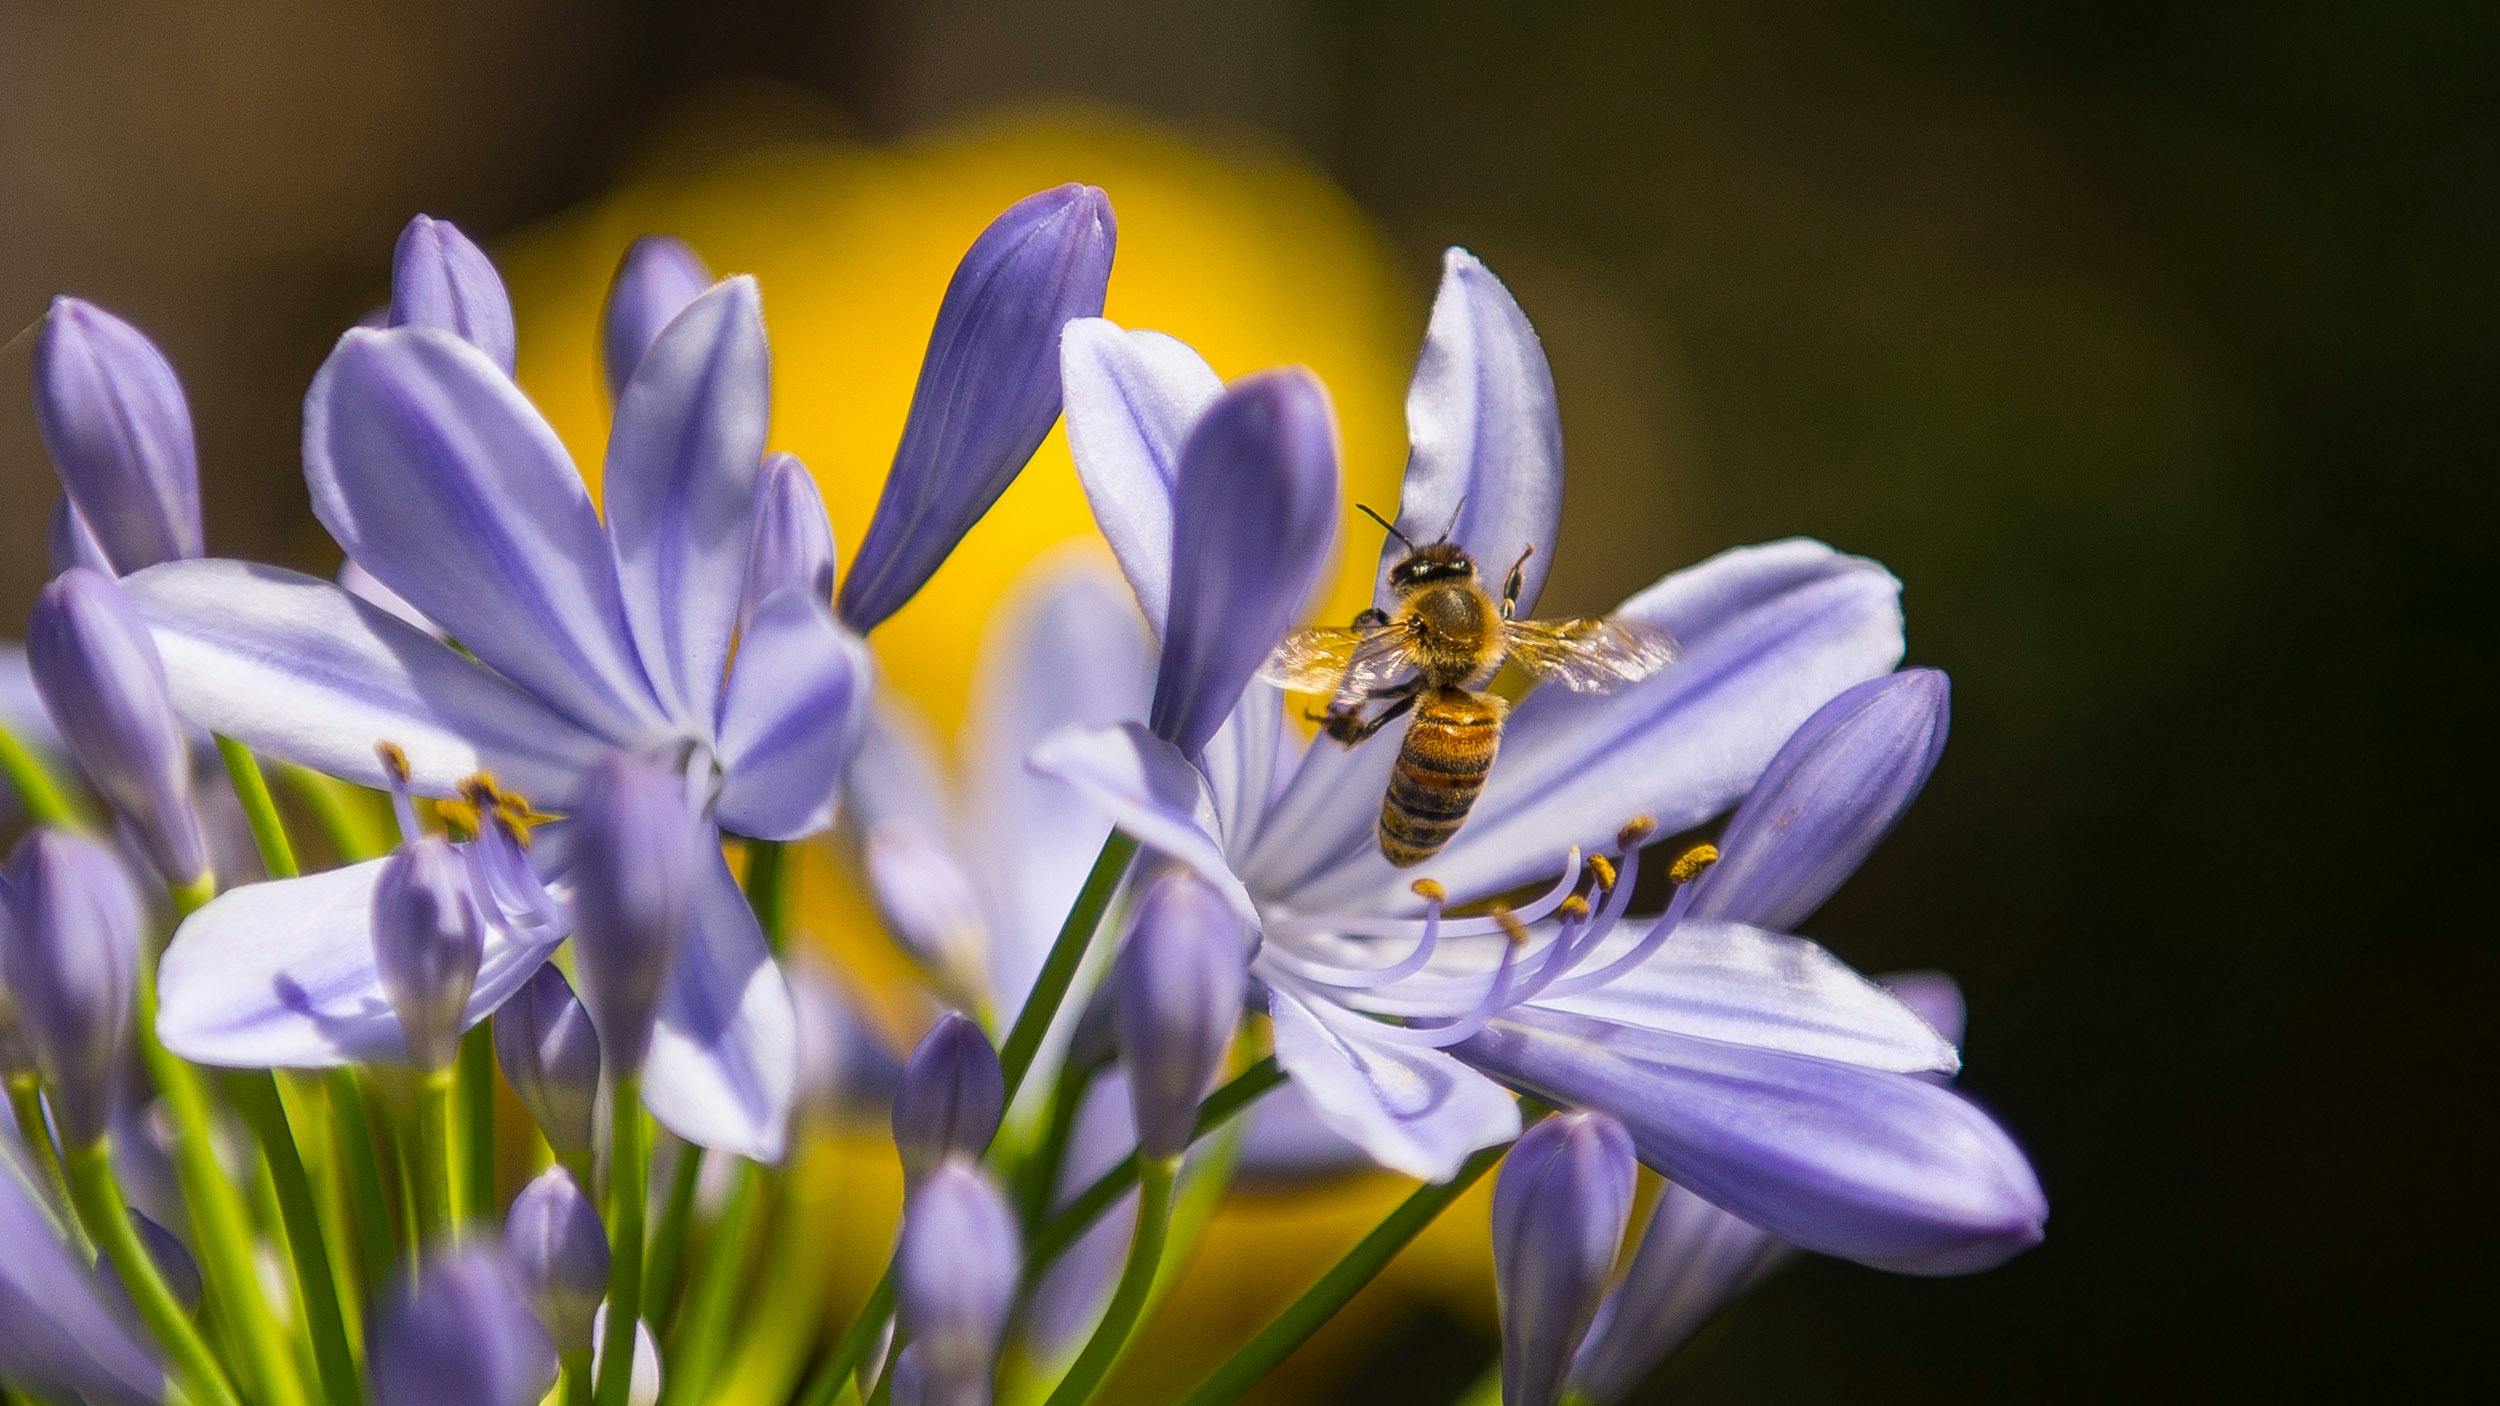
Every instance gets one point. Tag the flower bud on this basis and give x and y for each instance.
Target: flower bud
(559, 1256)
(654, 281)
(173, 1261)
(105, 687)
(427, 943)
(550, 1056)
(1559, 1209)
(457, 1330)
(639, 849)
(119, 432)
(440, 278)
(1177, 996)
(68, 541)
(952, 1096)
(988, 389)
(955, 1280)
(62, 1334)
(792, 544)
(70, 967)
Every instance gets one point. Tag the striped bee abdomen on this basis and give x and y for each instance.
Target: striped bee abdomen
(1441, 767)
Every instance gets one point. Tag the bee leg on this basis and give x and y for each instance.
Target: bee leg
(1516, 582)
(1351, 728)
(1372, 618)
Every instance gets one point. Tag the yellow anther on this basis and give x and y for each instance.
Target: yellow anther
(479, 790)
(1430, 891)
(1690, 863)
(1574, 909)
(1512, 928)
(1604, 869)
(394, 760)
(514, 827)
(1634, 831)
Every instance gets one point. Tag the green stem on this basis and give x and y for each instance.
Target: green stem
(341, 811)
(219, 1221)
(769, 882)
(1486, 1389)
(1060, 1231)
(1038, 1178)
(255, 1096)
(576, 1365)
(260, 809)
(351, 1132)
(1067, 957)
(473, 1187)
(703, 1323)
(47, 802)
(35, 1131)
(833, 1377)
(1128, 1298)
(429, 1153)
(668, 1237)
(100, 1204)
(1323, 1300)
(629, 1187)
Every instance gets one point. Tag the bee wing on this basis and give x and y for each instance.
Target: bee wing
(1330, 659)
(1589, 655)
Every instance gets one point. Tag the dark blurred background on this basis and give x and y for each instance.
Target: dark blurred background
(2150, 344)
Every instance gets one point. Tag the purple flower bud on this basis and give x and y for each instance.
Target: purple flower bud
(550, 1056)
(105, 687)
(793, 541)
(988, 391)
(458, 1330)
(173, 1261)
(911, 1385)
(440, 278)
(639, 851)
(952, 1096)
(70, 967)
(427, 943)
(119, 433)
(1559, 1209)
(955, 1280)
(559, 1255)
(1253, 514)
(68, 541)
(1177, 998)
(1829, 796)
(61, 1334)
(654, 281)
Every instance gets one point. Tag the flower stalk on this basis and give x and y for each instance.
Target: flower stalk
(629, 1188)
(107, 1219)
(1156, 1179)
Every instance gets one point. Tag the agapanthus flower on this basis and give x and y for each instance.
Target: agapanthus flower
(1388, 1010)
(576, 638)
(61, 1333)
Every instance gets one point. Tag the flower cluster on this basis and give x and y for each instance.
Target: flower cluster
(556, 754)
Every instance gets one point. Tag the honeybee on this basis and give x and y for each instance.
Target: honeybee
(1432, 656)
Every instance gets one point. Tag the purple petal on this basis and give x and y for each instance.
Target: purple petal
(1132, 397)
(654, 281)
(1177, 987)
(68, 541)
(434, 473)
(680, 490)
(1416, 1111)
(298, 668)
(792, 541)
(724, 1063)
(104, 685)
(358, 582)
(440, 278)
(59, 1333)
(1694, 1259)
(793, 712)
(282, 975)
(1935, 996)
(1288, 1145)
(114, 420)
(1886, 1169)
(988, 390)
(459, 1330)
(1486, 465)
(1727, 981)
(1252, 521)
(1559, 1209)
(1769, 635)
(1152, 793)
(69, 953)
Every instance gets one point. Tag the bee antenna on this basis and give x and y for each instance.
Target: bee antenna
(1455, 514)
(1365, 510)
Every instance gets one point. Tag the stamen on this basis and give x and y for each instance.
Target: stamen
(403, 804)
(1516, 930)
(1536, 910)
(1362, 978)
(1604, 869)
(1689, 865)
(1430, 891)
(1575, 909)
(1634, 833)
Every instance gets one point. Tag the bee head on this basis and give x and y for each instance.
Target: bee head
(1430, 564)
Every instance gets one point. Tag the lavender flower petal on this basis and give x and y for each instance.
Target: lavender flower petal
(104, 685)
(114, 420)
(1486, 464)
(1886, 1169)
(550, 1056)
(68, 541)
(1831, 795)
(724, 1061)
(1132, 398)
(59, 1333)
(955, 1279)
(358, 582)
(641, 852)
(680, 491)
(792, 542)
(558, 1252)
(791, 716)
(70, 963)
(1252, 518)
(1416, 1111)
(1152, 793)
(1178, 988)
(459, 1330)
(1694, 1260)
(654, 281)
(988, 390)
(951, 1099)
(434, 473)
(427, 941)
(1559, 1209)
(298, 668)
(440, 278)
